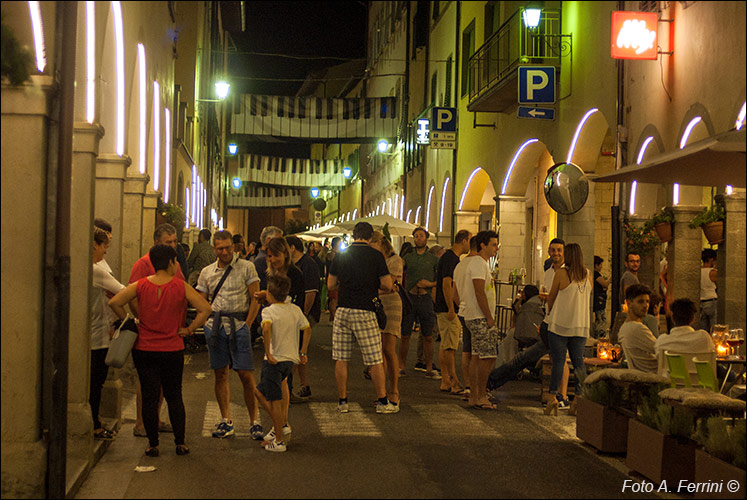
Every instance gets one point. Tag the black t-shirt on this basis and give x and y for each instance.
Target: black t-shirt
(600, 294)
(297, 291)
(358, 270)
(310, 271)
(445, 269)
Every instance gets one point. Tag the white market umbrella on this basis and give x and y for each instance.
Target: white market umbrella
(397, 227)
(324, 231)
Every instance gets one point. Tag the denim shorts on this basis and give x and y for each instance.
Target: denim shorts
(270, 384)
(230, 350)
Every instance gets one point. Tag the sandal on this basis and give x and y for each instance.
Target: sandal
(152, 452)
(182, 449)
(484, 406)
(104, 434)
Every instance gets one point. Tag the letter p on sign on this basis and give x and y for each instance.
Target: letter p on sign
(536, 84)
(443, 120)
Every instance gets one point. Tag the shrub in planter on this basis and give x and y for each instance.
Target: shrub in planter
(722, 458)
(711, 221)
(597, 422)
(658, 442)
(662, 222)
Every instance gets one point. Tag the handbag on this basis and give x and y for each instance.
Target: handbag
(122, 341)
(405, 298)
(380, 314)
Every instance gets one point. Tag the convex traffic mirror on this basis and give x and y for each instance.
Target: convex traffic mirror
(566, 188)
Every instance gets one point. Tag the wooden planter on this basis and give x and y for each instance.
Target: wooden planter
(664, 231)
(709, 470)
(601, 426)
(659, 457)
(714, 232)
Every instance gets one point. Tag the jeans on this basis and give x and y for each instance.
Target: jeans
(575, 348)
(525, 359)
(99, 371)
(156, 370)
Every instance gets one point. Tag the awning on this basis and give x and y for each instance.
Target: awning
(716, 161)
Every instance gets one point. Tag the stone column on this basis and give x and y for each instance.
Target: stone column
(683, 257)
(25, 171)
(150, 203)
(731, 277)
(467, 220)
(648, 273)
(111, 172)
(86, 139)
(513, 221)
(132, 222)
(579, 228)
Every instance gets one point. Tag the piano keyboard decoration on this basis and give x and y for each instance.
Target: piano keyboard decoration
(257, 196)
(291, 172)
(363, 119)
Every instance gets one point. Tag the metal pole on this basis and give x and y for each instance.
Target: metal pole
(56, 462)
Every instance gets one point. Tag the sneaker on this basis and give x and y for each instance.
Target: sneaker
(420, 366)
(433, 375)
(270, 436)
(564, 403)
(387, 408)
(342, 407)
(304, 392)
(287, 431)
(256, 431)
(223, 430)
(275, 445)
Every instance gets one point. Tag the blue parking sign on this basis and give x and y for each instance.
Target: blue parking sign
(443, 120)
(536, 84)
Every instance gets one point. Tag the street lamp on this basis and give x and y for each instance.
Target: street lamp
(347, 172)
(531, 17)
(236, 182)
(232, 148)
(314, 192)
(221, 90)
(383, 145)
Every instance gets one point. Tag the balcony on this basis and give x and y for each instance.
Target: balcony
(493, 67)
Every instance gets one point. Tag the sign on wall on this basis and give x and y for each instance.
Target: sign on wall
(536, 84)
(635, 35)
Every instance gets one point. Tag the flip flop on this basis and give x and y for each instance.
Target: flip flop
(485, 406)
(458, 393)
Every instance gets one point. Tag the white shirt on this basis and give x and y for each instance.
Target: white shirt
(707, 287)
(102, 316)
(638, 345)
(465, 272)
(234, 294)
(571, 311)
(547, 279)
(287, 321)
(684, 339)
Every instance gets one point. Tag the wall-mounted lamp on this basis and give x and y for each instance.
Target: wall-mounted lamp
(383, 145)
(221, 90)
(531, 17)
(315, 192)
(236, 182)
(232, 148)
(347, 172)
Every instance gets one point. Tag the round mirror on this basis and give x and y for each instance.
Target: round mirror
(319, 204)
(566, 188)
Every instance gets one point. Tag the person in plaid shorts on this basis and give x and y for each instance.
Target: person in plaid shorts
(360, 272)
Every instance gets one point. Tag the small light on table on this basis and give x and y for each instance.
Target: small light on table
(722, 350)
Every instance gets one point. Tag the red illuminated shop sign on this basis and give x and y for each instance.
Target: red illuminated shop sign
(634, 35)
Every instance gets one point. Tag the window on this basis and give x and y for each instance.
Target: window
(468, 48)
(492, 18)
(447, 94)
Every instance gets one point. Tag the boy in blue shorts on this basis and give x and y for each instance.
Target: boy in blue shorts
(281, 324)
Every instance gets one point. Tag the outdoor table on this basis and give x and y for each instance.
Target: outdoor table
(730, 362)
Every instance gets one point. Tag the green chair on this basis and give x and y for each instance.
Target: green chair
(706, 378)
(677, 369)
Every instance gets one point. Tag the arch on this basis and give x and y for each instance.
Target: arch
(739, 122)
(521, 170)
(180, 190)
(444, 191)
(642, 198)
(696, 125)
(587, 140)
(428, 204)
(474, 190)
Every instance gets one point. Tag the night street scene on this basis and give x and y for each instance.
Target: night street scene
(371, 249)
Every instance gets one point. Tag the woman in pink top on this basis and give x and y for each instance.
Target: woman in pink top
(158, 353)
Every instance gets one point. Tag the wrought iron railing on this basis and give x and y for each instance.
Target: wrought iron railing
(514, 44)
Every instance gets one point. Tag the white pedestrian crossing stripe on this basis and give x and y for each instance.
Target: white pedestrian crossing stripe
(354, 423)
(239, 415)
(442, 418)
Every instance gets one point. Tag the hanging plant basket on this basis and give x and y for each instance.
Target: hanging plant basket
(714, 232)
(664, 231)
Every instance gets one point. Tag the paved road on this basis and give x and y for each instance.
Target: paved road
(434, 448)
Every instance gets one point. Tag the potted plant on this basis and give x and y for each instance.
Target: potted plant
(659, 445)
(711, 220)
(640, 239)
(173, 214)
(662, 221)
(722, 458)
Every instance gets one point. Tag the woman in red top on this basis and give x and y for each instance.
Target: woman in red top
(158, 353)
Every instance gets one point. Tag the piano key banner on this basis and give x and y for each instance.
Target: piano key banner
(292, 172)
(256, 196)
(315, 117)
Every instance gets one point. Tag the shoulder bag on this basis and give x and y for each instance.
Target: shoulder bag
(405, 297)
(380, 314)
(122, 341)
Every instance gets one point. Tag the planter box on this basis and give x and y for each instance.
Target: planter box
(664, 231)
(714, 232)
(659, 457)
(601, 426)
(709, 470)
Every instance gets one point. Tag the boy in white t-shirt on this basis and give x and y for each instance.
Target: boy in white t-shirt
(281, 324)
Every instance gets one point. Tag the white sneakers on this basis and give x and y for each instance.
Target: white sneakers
(387, 408)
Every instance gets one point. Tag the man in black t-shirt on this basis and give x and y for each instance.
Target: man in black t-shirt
(446, 312)
(360, 271)
(312, 306)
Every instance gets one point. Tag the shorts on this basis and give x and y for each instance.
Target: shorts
(450, 330)
(484, 340)
(423, 313)
(356, 324)
(234, 350)
(466, 336)
(270, 385)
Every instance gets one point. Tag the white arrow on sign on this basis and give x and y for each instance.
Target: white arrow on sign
(536, 112)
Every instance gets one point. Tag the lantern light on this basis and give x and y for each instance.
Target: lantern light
(236, 182)
(232, 148)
